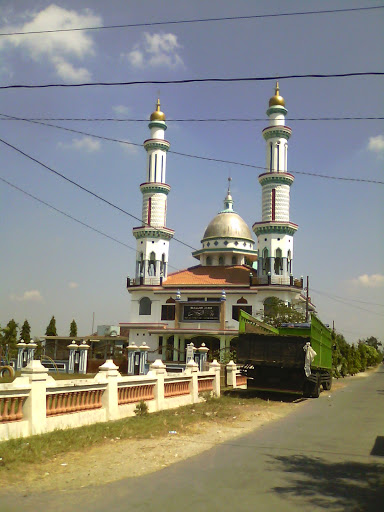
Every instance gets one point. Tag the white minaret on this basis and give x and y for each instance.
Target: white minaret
(275, 231)
(153, 236)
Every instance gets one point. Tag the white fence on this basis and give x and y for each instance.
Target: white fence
(35, 403)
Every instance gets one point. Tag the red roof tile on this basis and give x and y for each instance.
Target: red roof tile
(199, 275)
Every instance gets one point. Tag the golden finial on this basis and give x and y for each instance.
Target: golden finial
(157, 115)
(277, 99)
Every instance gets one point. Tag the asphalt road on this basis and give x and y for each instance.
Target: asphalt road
(326, 455)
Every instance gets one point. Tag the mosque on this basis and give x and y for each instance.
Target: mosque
(202, 303)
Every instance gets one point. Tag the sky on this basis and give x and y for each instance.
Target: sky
(52, 265)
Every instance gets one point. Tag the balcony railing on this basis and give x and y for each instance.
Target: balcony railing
(147, 281)
(276, 281)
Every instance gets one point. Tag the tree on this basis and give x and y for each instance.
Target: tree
(73, 329)
(25, 333)
(276, 312)
(371, 342)
(9, 339)
(51, 328)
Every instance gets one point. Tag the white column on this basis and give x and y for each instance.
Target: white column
(35, 406)
(159, 369)
(215, 366)
(109, 372)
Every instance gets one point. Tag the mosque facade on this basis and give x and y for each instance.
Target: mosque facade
(202, 303)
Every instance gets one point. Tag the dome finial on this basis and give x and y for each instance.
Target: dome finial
(277, 99)
(157, 115)
(229, 185)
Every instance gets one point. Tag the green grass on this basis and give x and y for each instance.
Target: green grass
(39, 448)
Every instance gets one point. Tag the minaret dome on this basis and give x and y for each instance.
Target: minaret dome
(277, 99)
(157, 115)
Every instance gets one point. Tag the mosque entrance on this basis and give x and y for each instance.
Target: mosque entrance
(212, 343)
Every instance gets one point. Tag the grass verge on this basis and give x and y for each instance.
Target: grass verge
(40, 448)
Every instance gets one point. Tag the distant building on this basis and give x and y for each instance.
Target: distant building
(202, 303)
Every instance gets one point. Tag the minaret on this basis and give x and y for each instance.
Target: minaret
(275, 231)
(153, 236)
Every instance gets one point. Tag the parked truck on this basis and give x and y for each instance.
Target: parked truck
(294, 358)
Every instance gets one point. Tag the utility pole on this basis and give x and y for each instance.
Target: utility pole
(307, 302)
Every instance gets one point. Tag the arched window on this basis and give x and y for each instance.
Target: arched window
(209, 260)
(163, 265)
(141, 264)
(234, 260)
(152, 264)
(278, 262)
(241, 304)
(270, 304)
(289, 261)
(168, 309)
(221, 260)
(266, 261)
(145, 306)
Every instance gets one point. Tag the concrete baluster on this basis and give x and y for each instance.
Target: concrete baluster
(231, 370)
(215, 366)
(159, 369)
(35, 405)
(108, 372)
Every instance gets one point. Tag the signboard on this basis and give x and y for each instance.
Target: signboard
(201, 313)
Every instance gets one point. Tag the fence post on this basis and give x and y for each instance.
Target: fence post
(160, 370)
(192, 369)
(215, 366)
(231, 374)
(109, 372)
(35, 408)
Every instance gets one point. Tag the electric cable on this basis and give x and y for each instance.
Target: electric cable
(201, 20)
(187, 155)
(72, 218)
(195, 80)
(197, 120)
(346, 303)
(50, 169)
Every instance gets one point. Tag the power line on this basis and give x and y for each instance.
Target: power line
(196, 120)
(84, 188)
(201, 20)
(346, 303)
(71, 217)
(65, 214)
(194, 80)
(187, 155)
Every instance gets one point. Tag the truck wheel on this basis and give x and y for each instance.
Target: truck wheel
(316, 388)
(328, 384)
(307, 389)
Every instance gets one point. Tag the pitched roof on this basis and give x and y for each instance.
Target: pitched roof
(201, 275)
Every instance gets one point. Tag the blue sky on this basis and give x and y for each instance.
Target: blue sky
(51, 265)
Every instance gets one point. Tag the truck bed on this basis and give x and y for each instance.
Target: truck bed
(281, 351)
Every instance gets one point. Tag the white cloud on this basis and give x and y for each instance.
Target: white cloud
(372, 281)
(56, 48)
(376, 144)
(156, 50)
(121, 110)
(88, 144)
(28, 296)
(72, 285)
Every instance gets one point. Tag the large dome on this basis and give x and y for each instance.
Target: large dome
(228, 224)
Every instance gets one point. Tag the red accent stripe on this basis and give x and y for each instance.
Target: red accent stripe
(273, 203)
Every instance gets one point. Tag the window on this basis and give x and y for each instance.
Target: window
(209, 260)
(236, 311)
(234, 260)
(221, 260)
(278, 262)
(145, 306)
(160, 350)
(168, 312)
